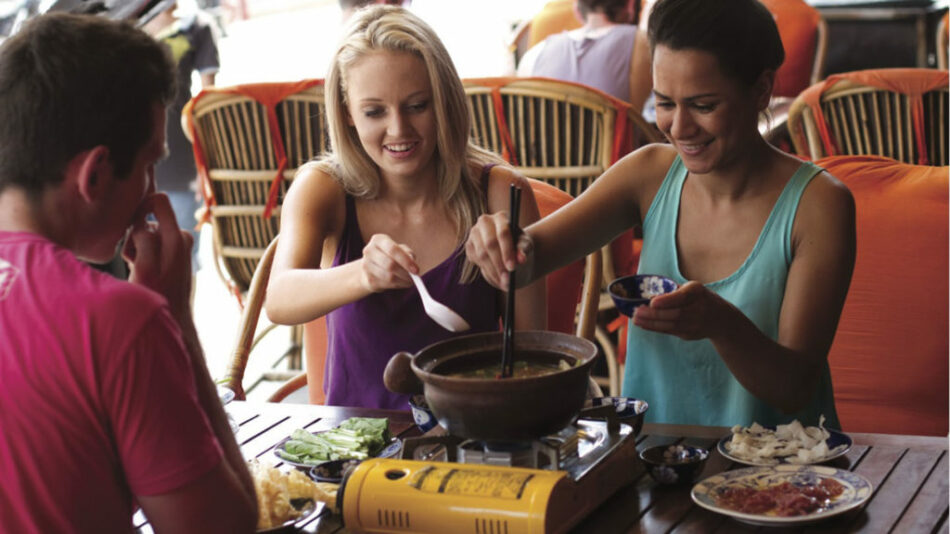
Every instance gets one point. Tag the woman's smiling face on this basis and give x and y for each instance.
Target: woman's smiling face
(389, 100)
(709, 117)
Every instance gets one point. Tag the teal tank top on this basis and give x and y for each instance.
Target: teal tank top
(686, 382)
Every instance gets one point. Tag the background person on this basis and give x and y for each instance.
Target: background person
(191, 41)
(397, 195)
(348, 7)
(606, 53)
(106, 400)
(761, 244)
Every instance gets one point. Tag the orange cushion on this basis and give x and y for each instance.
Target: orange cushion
(315, 354)
(797, 25)
(555, 17)
(564, 285)
(889, 359)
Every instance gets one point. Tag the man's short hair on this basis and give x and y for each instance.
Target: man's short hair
(69, 83)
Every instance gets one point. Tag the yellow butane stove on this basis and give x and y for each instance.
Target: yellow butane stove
(443, 491)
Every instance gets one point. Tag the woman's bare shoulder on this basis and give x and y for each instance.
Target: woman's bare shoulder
(826, 211)
(827, 192)
(649, 161)
(314, 192)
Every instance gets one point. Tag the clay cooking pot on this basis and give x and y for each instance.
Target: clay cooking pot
(492, 408)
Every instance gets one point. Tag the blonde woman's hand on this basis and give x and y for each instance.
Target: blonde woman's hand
(691, 312)
(386, 264)
(492, 248)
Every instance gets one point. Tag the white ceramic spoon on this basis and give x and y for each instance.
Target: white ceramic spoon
(439, 312)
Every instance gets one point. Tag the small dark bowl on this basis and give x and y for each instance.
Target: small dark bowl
(630, 411)
(674, 464)
(630, 292)
(421, 413)
(332, 471)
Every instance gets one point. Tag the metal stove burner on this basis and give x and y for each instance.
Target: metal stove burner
(533, 454)
(577, 449)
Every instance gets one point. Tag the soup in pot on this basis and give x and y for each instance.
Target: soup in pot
(526, 365)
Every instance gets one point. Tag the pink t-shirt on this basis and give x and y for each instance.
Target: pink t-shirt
(97, 398)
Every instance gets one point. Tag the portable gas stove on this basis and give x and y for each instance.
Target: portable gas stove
(444, 483)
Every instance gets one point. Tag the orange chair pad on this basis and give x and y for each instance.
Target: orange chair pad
(889, 359)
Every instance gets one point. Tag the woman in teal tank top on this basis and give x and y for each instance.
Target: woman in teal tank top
(761, 243)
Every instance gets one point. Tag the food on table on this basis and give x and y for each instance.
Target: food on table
(792, 442)
(781, 500)
(333, 469)
(325, 492)
(275, 491)
(678, 454)
(521, 368)
(355, 438)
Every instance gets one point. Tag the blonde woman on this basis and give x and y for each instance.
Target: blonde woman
(397, 195)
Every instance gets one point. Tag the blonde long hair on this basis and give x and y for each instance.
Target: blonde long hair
(393, 29)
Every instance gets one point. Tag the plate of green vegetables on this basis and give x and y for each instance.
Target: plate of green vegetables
(356, 438)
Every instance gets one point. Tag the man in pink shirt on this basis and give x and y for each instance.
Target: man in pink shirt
(105, 400)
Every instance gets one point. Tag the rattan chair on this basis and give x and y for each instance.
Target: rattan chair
(943, 42)
(248, 141)
(562, 133)
(247, 337)
(804, 36)
(585, 277)
(896, 113)
(235, 143)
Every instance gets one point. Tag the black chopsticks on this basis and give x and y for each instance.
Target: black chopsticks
(508, 346)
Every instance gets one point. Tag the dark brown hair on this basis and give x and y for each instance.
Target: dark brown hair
(741, 34)
(616, 10)
(69, 83)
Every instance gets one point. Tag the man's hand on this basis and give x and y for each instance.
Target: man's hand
(159, 254)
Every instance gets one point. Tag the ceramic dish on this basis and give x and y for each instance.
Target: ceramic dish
(674, 464)
(308, 507)
(226, 395)
(332, 471)
(629, 410)
(388, 451)
(630, 292)
(421, 413)
(856, 492)
(835, 439)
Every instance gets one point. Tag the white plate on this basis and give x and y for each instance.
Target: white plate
(308, 508)
(857, 491)
(834, 439)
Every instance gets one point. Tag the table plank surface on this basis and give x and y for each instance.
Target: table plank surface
(909, 475)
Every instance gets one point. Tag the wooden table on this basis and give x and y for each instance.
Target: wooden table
(909, 474)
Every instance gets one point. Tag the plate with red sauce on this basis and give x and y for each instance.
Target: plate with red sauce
(782, 494)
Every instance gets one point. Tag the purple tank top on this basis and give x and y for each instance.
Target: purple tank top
(362, 336)
(603, 63)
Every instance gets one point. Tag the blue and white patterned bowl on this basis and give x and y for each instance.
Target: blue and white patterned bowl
(674, 464)
(421, 413)
(630, 411)
(630, 292)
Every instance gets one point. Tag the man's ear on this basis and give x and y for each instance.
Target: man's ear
(92, 172)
